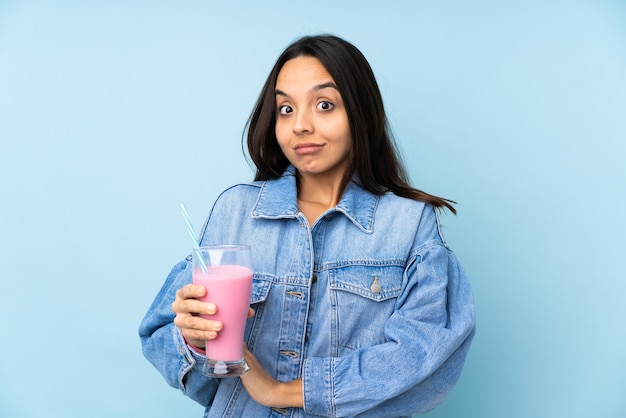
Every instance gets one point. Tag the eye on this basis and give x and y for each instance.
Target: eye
(325, 105)
(285, 109)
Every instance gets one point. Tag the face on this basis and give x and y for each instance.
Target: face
(311, 123)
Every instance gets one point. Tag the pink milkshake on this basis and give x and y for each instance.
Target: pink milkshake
(225, 271)
(228, 287)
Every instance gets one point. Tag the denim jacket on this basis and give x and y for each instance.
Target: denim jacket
(368, 306)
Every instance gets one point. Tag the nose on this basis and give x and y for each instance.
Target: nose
(303, 123)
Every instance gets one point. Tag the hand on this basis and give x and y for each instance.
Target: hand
(194, 328)
(265, 390)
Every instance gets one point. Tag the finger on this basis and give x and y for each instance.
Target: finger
(192, 323)
(195, 336)
(193, 306)
(190, 291)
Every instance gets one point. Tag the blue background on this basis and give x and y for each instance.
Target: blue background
(113, 113)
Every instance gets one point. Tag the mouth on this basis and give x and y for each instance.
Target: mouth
(307, 148)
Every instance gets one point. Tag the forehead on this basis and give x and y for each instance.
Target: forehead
(303, 71)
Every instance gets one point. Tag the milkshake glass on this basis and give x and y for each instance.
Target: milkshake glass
(227, 277)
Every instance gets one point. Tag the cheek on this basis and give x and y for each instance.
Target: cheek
(339, 126)
(281, 136)
(340, 132)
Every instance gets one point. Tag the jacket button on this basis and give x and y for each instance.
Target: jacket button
(314, 278)
(375, 287)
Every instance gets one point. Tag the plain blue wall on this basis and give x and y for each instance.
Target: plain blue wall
(112, 113)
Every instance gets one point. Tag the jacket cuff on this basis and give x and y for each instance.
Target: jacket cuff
(194, 349)
(317, 386)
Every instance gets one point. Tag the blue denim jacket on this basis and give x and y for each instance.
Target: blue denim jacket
(368, 306)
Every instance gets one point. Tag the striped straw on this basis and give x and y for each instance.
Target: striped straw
(192, 234)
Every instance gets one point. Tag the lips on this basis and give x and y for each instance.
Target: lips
(307, 148)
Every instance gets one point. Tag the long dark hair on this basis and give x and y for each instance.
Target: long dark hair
(374, 157)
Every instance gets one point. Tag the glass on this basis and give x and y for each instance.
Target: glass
(228, 282)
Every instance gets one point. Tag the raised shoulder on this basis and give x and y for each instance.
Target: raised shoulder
(430, 226)
(240, 190)
(232, 205)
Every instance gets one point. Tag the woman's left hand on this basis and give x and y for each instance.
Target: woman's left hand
(265, 390)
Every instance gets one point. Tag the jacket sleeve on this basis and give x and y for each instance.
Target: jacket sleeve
(426, 342)
(163, 344)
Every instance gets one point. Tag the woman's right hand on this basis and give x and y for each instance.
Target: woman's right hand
(187, 308)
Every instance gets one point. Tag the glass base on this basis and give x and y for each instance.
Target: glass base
(217, 368)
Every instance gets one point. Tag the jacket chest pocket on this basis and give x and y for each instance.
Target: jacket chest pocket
(363, 298)
(260, 289)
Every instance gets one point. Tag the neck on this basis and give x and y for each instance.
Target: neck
(320, 190)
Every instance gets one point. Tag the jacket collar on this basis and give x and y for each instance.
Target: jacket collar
(278, 199)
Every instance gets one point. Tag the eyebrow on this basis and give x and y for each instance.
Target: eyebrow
(318, 87)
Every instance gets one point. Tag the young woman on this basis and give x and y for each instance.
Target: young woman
(359, 308)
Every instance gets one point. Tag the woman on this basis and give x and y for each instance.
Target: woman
(359, 307)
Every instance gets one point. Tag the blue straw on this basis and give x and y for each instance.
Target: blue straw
(192, 234)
